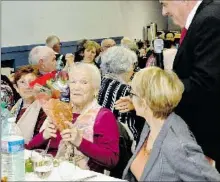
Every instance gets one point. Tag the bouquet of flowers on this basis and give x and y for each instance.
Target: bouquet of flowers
(50, 88)
(51, 84)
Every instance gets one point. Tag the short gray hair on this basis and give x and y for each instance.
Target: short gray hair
(104, 41)
(38, 53)
(117, 60)
(92, 70)
(52, 40)
(128, 43)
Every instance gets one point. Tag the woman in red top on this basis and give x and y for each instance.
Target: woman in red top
(93, 137)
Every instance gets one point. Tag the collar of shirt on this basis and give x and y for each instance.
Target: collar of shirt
(192, 14)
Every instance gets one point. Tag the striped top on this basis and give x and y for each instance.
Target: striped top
(111, 90)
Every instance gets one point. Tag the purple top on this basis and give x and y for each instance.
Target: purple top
(103, 152)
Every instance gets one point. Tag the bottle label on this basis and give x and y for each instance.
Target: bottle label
(12, 146)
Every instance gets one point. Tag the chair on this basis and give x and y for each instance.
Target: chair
(125, 153)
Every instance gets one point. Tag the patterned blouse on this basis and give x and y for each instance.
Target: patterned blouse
(7, 95)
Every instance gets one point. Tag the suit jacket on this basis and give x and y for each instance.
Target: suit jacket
(197, 64)
(175, 156)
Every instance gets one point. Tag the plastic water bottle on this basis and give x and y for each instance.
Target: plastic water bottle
(59, 64)
(12, 151)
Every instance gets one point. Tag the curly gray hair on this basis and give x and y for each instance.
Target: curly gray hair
(117, 60)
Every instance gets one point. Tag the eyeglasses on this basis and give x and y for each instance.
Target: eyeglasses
(23, 83)
(132, 95)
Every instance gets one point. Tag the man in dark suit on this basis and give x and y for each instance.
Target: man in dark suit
(197, 64)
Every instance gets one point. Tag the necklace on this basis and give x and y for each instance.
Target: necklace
(147, 151)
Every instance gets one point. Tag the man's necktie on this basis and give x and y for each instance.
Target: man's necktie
(183, 34)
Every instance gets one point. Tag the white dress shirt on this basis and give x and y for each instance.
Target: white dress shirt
(192, 14)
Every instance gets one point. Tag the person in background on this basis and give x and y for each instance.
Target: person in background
(117, 68)
(130, 44)
(197, 65)
(79, 53)
(87, 51)
(142, 52)
(54, 43)
(167, 150)
(105, 44)
(44, 58)
(28, 112)
(93, 134)
(141, 49)
(170, 51)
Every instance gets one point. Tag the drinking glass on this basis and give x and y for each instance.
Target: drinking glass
(43, 165)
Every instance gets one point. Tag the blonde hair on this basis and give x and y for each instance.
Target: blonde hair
(162, 90)
(90, 44)
(128, 43)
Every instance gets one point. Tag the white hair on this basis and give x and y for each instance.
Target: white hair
(104, 41)
(38, 53)
(52, 40)
(90, 69)
(117, 60)
(128, 43)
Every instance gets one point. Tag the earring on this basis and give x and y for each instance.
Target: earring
(95, 96)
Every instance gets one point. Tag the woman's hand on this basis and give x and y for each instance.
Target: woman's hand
(50, 130)
(72, 135)
(124, 104)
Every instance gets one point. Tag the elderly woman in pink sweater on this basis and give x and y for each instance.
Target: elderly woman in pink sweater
(93, 135)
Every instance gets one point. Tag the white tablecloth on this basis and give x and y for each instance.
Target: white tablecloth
(55, 176)
(76, 173)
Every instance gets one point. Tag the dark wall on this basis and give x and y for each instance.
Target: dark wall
(18, 56)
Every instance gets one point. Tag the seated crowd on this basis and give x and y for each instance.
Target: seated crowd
(123, 118)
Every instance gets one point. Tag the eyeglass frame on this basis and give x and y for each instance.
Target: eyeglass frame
(131, 95)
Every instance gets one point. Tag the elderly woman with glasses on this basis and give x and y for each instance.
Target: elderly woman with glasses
(28, 111)
(93, 137)
(167, 150)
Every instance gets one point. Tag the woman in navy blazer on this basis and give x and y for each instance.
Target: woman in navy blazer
(167, 150)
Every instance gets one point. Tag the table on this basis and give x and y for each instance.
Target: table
(79, 174)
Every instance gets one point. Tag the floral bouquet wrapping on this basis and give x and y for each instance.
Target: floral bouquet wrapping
(52, 84)
(49, 90)
(59, 112)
